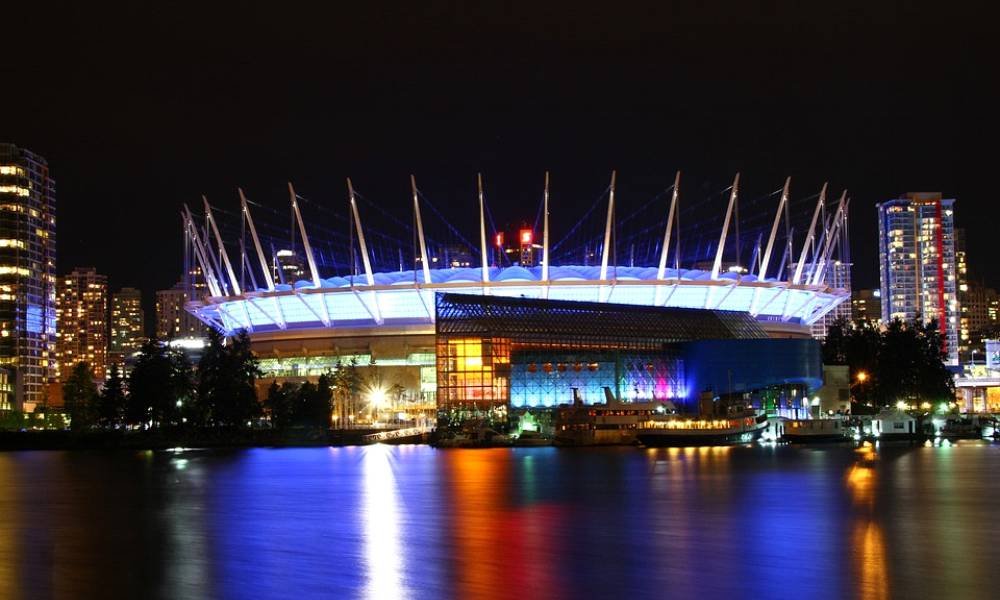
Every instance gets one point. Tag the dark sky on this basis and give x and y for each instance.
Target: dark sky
(143, 106)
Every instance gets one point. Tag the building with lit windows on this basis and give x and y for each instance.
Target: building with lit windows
(866, 305)
(27, 274)
(82, 311)
(497, 354)
(288, 266)
(838, 275)
(498, 326)
(964, 301)
(917, 263)
(127, 324)
(172, 321)
(978, 305)
(7, 389)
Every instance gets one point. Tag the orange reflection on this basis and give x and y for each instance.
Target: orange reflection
(501, 551)
(867, 538)
(478, 479)
(869, 555)
(9, 519)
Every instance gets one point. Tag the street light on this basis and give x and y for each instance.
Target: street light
(862, 376)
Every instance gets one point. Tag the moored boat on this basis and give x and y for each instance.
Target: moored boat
(677, 430)
(530, 439)
(815, 430)
(894, 424)
(613, 423)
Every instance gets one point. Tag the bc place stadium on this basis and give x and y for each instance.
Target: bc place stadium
(667, 299)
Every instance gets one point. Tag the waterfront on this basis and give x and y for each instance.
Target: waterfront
(415, 522)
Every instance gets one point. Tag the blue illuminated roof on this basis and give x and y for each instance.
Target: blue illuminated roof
(515, 273)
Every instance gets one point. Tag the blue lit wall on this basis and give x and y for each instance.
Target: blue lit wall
(748, 365)
(547, 379)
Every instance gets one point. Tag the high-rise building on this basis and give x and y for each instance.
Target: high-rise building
(838, 275)
(866, 305)
(962, 280)
(83, 321)
(977, 302)
(172, 321)
(917, 263)
(27, 273)
(288, 267)
(127, 324)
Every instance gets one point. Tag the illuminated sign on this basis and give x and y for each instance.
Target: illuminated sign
(499, 240)
(526, 236)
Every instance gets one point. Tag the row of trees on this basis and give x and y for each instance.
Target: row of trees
(898, 362)
(163, 389)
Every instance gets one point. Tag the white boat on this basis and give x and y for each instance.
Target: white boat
(815, 430)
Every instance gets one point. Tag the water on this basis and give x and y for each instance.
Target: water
(414, 522)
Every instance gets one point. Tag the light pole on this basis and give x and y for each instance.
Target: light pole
(860, 378)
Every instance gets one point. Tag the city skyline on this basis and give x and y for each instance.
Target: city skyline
(498, 300)
(680, 92)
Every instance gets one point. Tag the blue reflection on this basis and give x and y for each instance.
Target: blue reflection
(414, 522)
(384, 557)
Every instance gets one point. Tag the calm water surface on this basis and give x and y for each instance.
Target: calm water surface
(414, 522)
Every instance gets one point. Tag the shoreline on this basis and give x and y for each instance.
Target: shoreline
(13, 441)
(17, 441)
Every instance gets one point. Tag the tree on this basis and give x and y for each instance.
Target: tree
(835, 344)
(182, 386)
(227, 380)
(244, 371)
(902, 361)
(301, 409)
(321, 404)
(80, 397)
(346, 383)
(935, 381)
(279, 404)
(111, 404)
(159, 387)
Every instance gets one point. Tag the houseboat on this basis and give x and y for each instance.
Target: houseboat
(815, 430)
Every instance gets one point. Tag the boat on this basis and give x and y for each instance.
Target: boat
(613, 423)
(815, 430)
(678, 430)
(894, 424)
(962, 428)
(474, 434)
(530, 439)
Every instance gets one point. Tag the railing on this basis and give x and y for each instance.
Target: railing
(395, 434)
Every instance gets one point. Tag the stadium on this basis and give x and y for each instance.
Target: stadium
(439, 323)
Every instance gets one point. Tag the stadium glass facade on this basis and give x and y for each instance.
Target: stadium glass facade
(497, 355)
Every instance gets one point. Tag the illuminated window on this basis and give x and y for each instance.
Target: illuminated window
(14, 189)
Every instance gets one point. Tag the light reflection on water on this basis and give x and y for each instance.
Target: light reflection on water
(869, 568)
(384, 557)
(414, 522)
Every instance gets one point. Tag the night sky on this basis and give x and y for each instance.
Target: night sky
(142, 107)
